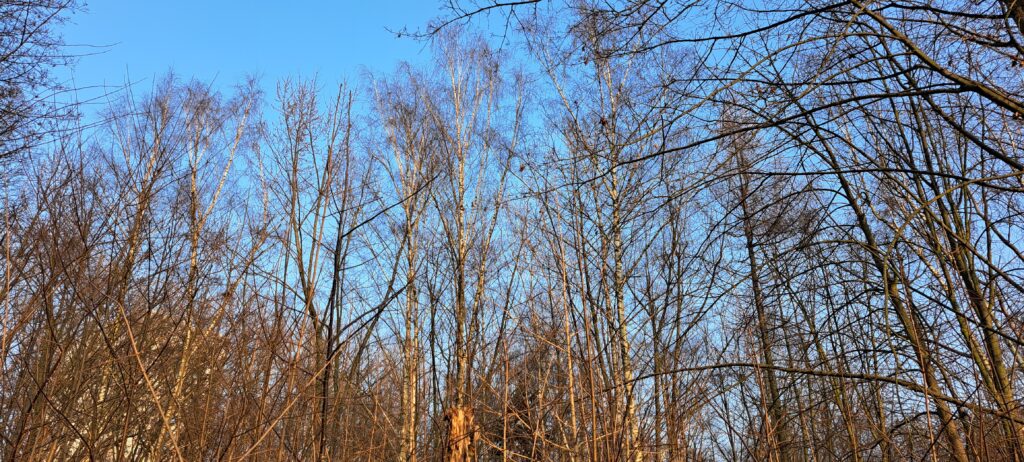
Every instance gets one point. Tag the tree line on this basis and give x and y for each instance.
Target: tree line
(628, 230)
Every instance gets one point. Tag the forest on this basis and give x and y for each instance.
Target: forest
(589, 230)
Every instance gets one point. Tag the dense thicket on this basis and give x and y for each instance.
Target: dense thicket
(785, 231)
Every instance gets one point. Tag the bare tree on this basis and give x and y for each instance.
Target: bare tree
(30, 45)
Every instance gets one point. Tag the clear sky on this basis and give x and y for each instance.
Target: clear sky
(222, 41)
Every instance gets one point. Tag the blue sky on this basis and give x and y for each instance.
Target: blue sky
(222, 41)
